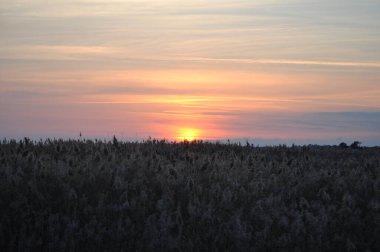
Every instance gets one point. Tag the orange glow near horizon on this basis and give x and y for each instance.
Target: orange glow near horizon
(188, 134)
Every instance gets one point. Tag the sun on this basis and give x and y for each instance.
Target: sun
(188, 134)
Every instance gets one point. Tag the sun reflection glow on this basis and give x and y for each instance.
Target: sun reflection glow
(188, 134)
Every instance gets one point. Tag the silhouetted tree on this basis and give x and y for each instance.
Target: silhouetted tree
(343, 145)
(356, 145)
(114, 141)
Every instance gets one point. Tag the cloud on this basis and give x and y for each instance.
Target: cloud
(287, 62)
(57, 52)
(320, 125)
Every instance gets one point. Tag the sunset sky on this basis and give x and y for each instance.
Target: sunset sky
(275, 71)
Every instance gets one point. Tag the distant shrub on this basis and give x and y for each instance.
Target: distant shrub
(355, 145)
(343, 145)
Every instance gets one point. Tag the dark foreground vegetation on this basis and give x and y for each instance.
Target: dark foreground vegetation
(96, 196)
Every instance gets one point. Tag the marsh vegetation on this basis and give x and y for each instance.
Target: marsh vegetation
(87, 195)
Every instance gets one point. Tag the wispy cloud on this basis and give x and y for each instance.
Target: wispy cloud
(65, 52)
(287, 62)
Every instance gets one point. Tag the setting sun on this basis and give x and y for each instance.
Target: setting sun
(189, 134)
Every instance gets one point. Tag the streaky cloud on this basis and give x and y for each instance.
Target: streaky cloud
(289, 62)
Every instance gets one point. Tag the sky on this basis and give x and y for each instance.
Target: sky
(271, 71)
